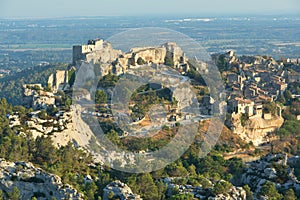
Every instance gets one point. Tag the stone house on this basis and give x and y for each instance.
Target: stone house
(241, 106)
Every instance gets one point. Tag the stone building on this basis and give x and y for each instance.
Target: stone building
(241, 106)
(95, 51)
(113, 61)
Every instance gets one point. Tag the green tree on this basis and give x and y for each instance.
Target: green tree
(182, 197)
(192, 170)
(111, 195)
(1, 195)
(140, 61)
(176, 170)
(249, 194)
(113, 137)
(222, 63)
(221, 187)
(144, 185)
(281, 99)
(14, 194)
(236, 167)
(161, 188)
(90, 190)
(71, 77)
(290, 195)
(204, 182)
(288, 97)
(270, 107)
(45, 153)
(20, 109)
(100, 97)
(269, 190)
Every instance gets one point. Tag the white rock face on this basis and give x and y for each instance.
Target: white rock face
(256, 129)
(120, 190)
(76, 130)
(103, 53)
(234, 193)
(261, 171)
(58, 80)
(30, 180)
(35, 97)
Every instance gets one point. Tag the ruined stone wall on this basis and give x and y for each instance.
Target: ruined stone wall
(103, 54)
(155, 55)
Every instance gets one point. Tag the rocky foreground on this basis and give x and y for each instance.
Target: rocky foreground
(34, 182)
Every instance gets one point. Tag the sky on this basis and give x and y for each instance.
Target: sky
(72, 8)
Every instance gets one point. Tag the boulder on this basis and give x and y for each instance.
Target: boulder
(119, 190)
(31, 181)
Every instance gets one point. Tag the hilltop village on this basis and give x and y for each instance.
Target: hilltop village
(253, 85)
(258, 90)
(251, 82)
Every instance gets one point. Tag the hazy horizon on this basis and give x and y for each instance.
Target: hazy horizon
(93, 8)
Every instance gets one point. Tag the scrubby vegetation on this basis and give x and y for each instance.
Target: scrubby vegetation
(73, 164)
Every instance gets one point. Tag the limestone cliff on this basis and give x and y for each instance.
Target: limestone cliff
(256, 129)
(76, 131)
(34, 97)
(63, 128)
(58, 80)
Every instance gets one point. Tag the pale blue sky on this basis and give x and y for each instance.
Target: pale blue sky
(68, 8)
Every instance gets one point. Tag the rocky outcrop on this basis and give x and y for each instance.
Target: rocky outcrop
(36, 98)
(76, 131)
(274, 168)
(32, 181)
(256, 129)
(58, 80)
(119, 190)
(64, 127)
(234, 193)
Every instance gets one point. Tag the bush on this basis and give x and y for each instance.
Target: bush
(165, 128)
(140, 61)
(100, 97)
(14, 194)
(43, 114)
(221, 187)
(269, 190)
(270, 107)
(243, 119)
